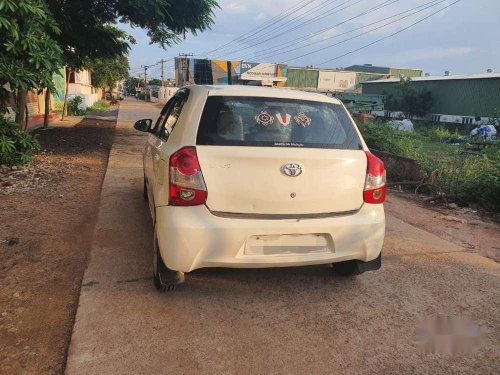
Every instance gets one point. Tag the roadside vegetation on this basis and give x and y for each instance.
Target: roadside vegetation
(17, 146)
(99, 106)
(457, 168)
(76, 108)
(64, 37)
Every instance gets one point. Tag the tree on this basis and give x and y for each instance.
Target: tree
(408, 99)
(29, 55)
(131, 83)
(87, 32)
(154, 82)
(106, 72)
(103, 42)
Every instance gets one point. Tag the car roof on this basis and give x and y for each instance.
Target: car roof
(259, 91)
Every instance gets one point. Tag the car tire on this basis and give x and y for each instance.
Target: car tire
(145, 191)
(346, 269)
(164, 278)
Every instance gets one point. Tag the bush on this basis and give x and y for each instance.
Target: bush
(17, 146)
(99, 106)
(380, 136)
(58, 107)
(443, 135)
(74, 106)
(474, 178)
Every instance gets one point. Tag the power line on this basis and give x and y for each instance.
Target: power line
(301, 24)
(283, 17)
(283, 46)
(366, 32)
(263, 25)
(391, 35)
(380, 39)
(277, 26)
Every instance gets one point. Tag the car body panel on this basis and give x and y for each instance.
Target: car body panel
(192, 237)
(251, 180)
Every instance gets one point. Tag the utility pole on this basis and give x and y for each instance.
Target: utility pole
(161, 62)
(184, 66)
(146, 67)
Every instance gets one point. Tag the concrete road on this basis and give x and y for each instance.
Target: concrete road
(283, 321)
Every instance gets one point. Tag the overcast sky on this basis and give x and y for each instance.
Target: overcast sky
(464, 38)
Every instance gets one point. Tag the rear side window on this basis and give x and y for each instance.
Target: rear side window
(274, 122)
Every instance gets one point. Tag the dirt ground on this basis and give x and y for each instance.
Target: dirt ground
(48, 215)
(463, 227)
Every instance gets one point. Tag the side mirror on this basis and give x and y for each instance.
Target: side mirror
(143, 125)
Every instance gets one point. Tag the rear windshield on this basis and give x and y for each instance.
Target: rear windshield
(272, 122)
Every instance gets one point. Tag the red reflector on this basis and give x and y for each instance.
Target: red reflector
(180, 196)
(375, 196)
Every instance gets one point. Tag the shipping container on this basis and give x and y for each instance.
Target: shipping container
(302, 78)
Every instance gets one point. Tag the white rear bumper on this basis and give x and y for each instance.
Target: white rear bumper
(192, 237)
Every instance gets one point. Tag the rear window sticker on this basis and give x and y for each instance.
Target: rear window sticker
(264, 118)
(302, 119)
(284, 119)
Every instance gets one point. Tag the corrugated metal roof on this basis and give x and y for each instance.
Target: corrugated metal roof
(369, 69)
(441, 78)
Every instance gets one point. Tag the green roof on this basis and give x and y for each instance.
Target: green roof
(369, 69)
(395, 72)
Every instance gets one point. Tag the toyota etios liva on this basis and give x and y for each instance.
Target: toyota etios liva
(240, 176)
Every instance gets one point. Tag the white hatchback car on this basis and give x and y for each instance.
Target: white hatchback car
(240, 176)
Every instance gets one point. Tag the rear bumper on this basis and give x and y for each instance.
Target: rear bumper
(192, 237)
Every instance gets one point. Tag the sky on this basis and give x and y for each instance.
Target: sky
(463, 38)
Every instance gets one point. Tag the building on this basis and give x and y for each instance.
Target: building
(328, 80)
(382, 70)
(35, 101)
(80, 84)
(205, 71)
(323, 80)
(456, 98)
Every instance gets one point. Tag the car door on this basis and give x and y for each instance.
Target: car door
(151, 144)
(159, 158)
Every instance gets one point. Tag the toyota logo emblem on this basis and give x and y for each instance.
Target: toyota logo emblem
(291, 169)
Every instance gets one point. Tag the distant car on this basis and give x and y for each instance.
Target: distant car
(240, 176)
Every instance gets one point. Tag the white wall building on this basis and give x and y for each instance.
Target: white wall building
(80, 85)
(336, 81)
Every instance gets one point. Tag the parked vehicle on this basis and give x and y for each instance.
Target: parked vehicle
(239, 176)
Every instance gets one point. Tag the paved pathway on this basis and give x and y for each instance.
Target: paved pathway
(288, 321)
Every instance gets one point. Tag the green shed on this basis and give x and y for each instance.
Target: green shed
(456, 95)
(302, 78)
(393, 72)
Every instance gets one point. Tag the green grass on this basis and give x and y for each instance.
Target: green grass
(99, 106)
(474, 177)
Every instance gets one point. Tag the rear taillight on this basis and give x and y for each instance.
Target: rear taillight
(187, 186)
(375, 189)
